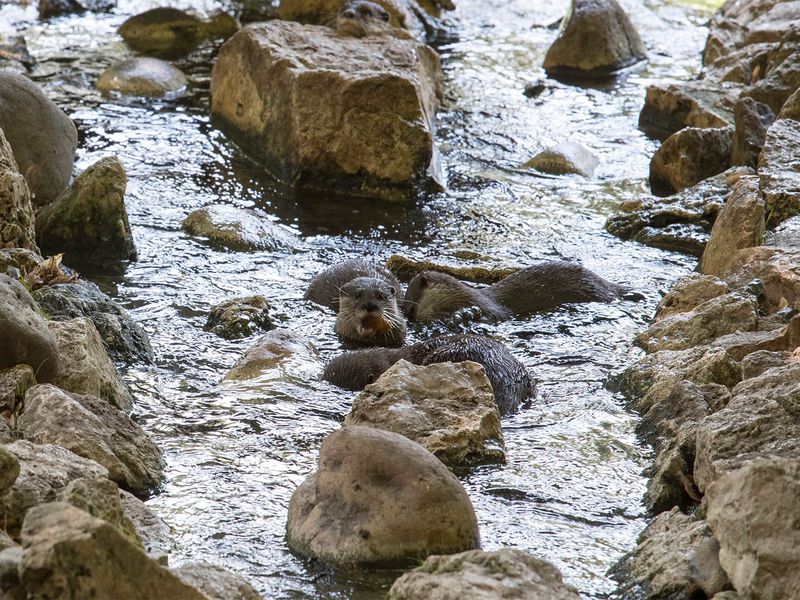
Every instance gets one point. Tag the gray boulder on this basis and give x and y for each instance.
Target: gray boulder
(596, 39)
(448, 408)
(152, 530)
(688, 157)
(89, 218)
(16, 209)
(143, 76)
(243, 230)
(24, 335)
(41, 135)
(507, 574)
(14, 382)
(91, 428)
(379, 498)
(85, 365)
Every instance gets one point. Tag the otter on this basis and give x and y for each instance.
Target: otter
(432, 295)
(511, 382)
(360, 18)
(364, 295)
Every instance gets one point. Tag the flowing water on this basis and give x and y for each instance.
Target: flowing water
(571, 490)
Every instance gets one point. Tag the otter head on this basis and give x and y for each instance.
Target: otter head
(431, 296)
(359, 18)
(368, 313)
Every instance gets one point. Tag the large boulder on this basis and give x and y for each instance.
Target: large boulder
(507, 574)
(152, 530)
(41, 135)
(124, 339)
(24, 335)
(688, 157)
(67, 553)
(231, 228)
(753, 513)
(448, 408)
(323, 111)
(91, 428)
(85, 365)
(44, 471)
(596, 39)
(740, 224)
(779, 170)
(90, 218)
(16, 209)
(379, 498)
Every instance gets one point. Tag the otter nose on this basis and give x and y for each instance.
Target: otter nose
(370, 306)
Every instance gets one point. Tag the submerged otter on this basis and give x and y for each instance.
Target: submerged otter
(360, 18)
(432, 295)
(365, 297)
(511, 382)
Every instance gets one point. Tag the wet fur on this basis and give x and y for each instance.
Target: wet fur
(432, 296)
(326, 287)
(360, 18)
(370, 299)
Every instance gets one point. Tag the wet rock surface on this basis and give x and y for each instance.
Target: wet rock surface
(688, 157)
(143, 76)
(276, 349)
(239, 317)
(564, 159)
(16, 209)
(237, 229)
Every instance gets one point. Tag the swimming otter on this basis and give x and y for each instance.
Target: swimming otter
(511, 382)
(364, 295)
(360, 18)
(431, 295)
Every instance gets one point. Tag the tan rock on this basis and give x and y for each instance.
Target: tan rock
(777, 268)
(16, 208)
(688, 157)
(280, 348)
(243, 230)
(689, 292)
(143, 76)
(564, 159)
(216, 583)
(779, 171)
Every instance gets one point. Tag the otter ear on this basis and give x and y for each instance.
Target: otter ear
(422, 279)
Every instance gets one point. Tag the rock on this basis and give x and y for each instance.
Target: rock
(57, 8)
(671, 481)
(41, 135)
(752, 121)
(89, 218)
(785, 235)
(24, 334)
(10, 584)
(779, 170)
(379, 498)
(690, 292)
(677, 557)
(216, 583)
(681, 222)
(668, 108)
(739, 345)
(405, 268)
(91, 428)
(776, 268)
(143, 76)
(9, 469)
(124, 339)
(271, 351)
(239, 317)
(16, 209)
(740, 224)
(85, 366)
(237, 229)
(756, 363)
(371, 100)
(752, 511)
(564, 159)
(100, 498)
(6, 541)
(44, 471)
(509, 573)
(14, 382)
(596, 39)
(762, 416)
(170, 33)
(791, 108)
(6, 435)
(155, 534)
(448, 408)
(68, 553)
(721, 315)
(782, 73)
(22, 259)
(688, 157)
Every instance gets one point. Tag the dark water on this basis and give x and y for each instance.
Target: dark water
(571, 490)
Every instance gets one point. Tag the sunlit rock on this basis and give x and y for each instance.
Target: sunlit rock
(688, 157)
(215, 582)
(677, 557)
(91, 428)
(239, 317)
(85, 365)
(152, 530)
(565, 159)
(323, 111)
(689, 292)
(507, 574)
(277, 349)
(755, 363)
(752, 119)
(779, 170)
(781, 76)
(379, 498)
(90, 218)
(167, 32)
(142, 76)
(41, 135)
(740, 224)
(596, 39)
(16, 209)
(752, 511)
(24, 335)
(448, 408)
(14, 382)
(776, 268)
(243, 230)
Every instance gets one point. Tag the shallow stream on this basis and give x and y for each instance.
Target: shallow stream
(571, 491)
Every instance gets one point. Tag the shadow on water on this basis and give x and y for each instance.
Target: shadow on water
(571, 490)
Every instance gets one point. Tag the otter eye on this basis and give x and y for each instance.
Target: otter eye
(384, 16)
(392, 291)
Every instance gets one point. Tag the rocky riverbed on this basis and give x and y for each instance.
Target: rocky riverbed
(505, 167)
